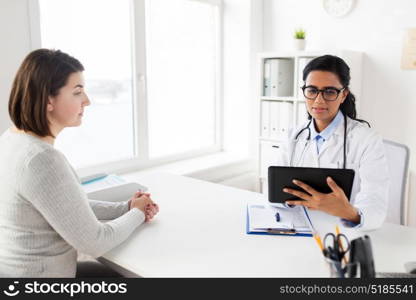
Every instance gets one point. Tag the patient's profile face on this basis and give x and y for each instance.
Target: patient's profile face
(67, 108)
(321, 109)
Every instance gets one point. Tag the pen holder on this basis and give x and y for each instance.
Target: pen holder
(338, 269)
(362, 254)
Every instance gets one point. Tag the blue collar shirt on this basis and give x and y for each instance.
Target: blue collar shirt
(324, 135)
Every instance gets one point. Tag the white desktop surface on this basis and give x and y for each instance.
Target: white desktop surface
(200, 231)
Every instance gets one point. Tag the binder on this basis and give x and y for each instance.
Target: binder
(281, 118)
(302, 113)
(111, 187)
(274, 120)
(265, 119)
(274, 77)
(266, 78)
(118, 193)
(285, 119)
(281, 77)
(292, 221)
(278, 76)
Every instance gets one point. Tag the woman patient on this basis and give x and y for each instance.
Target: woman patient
(45, 216)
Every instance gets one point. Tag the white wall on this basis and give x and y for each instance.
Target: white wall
(15, 44)
(243, 36)
(236, 67)
(376, 28)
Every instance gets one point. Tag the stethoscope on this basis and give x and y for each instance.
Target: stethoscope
(309, 138)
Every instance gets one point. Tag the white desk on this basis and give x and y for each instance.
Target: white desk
(200, 231)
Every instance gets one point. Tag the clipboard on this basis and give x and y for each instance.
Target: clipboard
(273, 231)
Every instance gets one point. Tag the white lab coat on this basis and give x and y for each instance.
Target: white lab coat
(365, 154)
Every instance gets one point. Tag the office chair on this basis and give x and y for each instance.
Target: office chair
(398, 163)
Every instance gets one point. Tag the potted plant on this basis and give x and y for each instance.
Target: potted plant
(300, 42)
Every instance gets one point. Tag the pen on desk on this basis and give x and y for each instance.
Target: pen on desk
(277, 217)
(314, 232)
(319, 241)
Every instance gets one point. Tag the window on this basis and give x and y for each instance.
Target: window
(152, 71)
(101, 40)
(181, 47)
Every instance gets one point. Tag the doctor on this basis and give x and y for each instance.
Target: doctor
(334, 138)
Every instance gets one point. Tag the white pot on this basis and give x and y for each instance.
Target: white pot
(300, 44)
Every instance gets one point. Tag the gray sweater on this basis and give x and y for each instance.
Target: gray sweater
(45, 216)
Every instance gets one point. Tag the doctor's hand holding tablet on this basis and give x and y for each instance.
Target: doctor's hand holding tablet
(334, 138)
(335, 203)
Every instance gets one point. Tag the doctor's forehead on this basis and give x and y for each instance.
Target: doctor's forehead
(323, 79)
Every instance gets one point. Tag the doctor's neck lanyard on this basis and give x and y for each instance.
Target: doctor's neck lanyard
(309, 139)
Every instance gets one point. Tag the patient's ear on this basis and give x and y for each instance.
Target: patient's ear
(50, 105)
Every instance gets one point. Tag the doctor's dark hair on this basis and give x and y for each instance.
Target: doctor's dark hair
(42, 74)
(339, 67)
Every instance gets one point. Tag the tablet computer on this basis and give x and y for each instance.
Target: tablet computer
(281, 177)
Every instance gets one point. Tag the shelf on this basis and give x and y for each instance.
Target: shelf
(283, 99)
(264, 139)
(296, 54)
(287, 99)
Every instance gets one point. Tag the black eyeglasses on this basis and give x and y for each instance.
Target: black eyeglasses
(329, 94)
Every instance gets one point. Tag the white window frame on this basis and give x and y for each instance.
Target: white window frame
(141, 158)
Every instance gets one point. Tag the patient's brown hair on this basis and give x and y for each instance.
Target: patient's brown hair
(42, 73)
